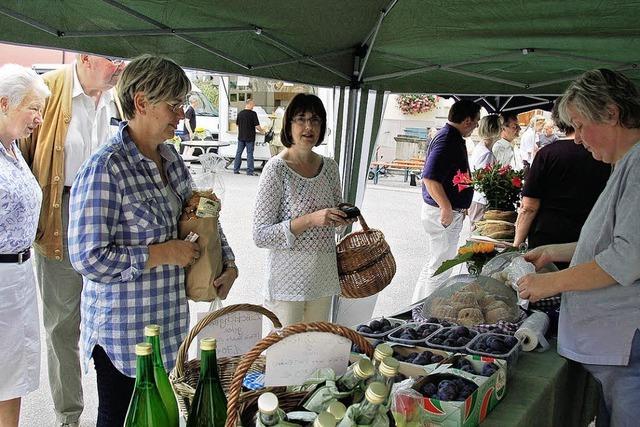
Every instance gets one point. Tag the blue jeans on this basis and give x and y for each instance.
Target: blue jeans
(620, 390)
(238, 160)
(114, 390)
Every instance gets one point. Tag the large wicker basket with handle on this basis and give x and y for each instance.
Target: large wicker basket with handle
(239, 404)
(365, 263)
(184, 377)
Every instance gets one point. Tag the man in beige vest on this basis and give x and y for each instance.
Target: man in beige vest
(77, 120)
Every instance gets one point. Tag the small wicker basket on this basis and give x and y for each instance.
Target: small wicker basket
(242, 407)
(365, 263)
(184, 377)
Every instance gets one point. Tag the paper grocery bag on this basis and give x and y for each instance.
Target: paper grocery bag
(200, 275)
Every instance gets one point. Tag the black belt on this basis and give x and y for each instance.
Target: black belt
(15, 258)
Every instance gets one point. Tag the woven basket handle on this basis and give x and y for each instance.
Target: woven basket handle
(363, 223)
(251, 356)
(184, 347)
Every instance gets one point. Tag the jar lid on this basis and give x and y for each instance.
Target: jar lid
(337, 409)
(268, 403)
(152, 330)
(382, 350)
(363, 369)
(376, 393)
(324, 419)
(143, 349)
(389, 366)
(208, 344)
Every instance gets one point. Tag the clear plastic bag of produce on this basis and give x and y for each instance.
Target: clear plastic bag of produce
(468, 300)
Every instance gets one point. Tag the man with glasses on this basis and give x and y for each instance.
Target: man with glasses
(503, 148)
(248, 125)
(77, 119)
(444, 207)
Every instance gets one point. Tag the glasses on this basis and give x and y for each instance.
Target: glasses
(176, 107)
(114, 61)
(301, 120)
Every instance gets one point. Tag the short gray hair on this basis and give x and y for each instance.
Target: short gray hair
(596, 90)
(17, 81)
(490, 127)
(160, 79)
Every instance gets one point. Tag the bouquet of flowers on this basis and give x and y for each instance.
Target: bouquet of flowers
(474, 254)
(415, 103)
(501, 185)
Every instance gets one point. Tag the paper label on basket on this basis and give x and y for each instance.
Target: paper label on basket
(293, 360)
(236, 333)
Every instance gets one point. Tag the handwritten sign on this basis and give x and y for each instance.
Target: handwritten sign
(293, 360)
(236, 333)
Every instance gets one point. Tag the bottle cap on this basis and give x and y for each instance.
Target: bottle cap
(143, 349)
(208, 344)
(376, 393)
(389, 366)
(363, 369)
(337, 409)
(152, 330)
(324, 419)
(382, 350)
(268, 403)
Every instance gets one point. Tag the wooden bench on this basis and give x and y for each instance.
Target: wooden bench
(405, 166)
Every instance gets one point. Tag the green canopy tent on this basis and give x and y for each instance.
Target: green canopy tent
(363, 47)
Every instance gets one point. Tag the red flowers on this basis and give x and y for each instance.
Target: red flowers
(516, 181)
(501, 185)
(462, 180)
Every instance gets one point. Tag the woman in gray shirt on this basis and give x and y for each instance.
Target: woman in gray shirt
(600, 311)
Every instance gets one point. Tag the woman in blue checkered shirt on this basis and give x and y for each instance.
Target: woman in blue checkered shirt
(123, 234)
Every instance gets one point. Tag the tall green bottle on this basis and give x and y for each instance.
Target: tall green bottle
(209, 408)
(146, 408)
(152, 334)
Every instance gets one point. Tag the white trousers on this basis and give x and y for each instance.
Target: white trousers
(290, 312)
(442, 244)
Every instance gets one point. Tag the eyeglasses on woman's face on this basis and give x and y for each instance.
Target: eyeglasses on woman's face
(302, 120)
(177, 105)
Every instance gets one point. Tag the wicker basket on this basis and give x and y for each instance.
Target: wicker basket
(241, 405)
(365, 263)
(184, 377)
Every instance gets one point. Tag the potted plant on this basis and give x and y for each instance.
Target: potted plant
(501, 185)
(416, 103)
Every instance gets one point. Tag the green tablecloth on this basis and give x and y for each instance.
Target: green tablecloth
(546, 389)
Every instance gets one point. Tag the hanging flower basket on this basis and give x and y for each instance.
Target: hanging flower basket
(416, 103)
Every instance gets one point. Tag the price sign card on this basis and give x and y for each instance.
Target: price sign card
(293, 360)
(236, 333)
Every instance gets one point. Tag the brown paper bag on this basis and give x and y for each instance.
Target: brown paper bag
(200, 275)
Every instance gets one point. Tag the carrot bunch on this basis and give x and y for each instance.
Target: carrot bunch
(477, 248)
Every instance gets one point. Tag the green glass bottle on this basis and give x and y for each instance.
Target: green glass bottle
(337, 409)
(370, 407)
(209, 408)
(152, 334)
(146, 408)
(356, 374)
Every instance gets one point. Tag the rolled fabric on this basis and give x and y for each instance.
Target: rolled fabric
(531, 333)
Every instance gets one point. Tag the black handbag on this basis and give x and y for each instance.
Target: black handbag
(268, 137)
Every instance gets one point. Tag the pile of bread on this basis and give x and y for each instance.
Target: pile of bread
(471, 305)
(497, 224)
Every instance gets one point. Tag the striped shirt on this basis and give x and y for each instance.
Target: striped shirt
(118, 207)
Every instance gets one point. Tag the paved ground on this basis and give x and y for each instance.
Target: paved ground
(391, 205)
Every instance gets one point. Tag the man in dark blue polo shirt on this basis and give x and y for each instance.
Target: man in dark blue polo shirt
(444, 206)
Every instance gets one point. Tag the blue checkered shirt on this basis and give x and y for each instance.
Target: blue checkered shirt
(118, 209)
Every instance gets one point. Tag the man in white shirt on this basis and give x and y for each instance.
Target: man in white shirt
(503, 148)
(529, 140)
(77, 120)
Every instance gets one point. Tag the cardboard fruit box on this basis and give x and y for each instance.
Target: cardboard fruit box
(468, 413)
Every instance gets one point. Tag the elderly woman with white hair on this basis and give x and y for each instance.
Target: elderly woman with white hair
(599, 323)
(22, 98)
